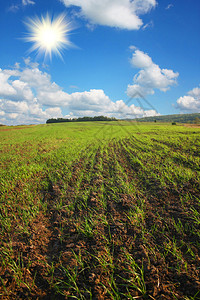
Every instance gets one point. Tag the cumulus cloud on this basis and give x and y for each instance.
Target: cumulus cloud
(190, 102)
(150, 77)
(21, 112)
(19, 95)
(122, 14)
(15, 89)
(13, 107)
(29, 96)
(5, 88)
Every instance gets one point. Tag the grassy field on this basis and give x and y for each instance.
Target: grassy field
(100, 210)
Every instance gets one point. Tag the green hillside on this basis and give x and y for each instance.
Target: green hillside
(179, 118)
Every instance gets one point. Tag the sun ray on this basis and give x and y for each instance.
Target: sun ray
(48, 35)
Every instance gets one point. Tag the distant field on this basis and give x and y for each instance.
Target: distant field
(100, 210)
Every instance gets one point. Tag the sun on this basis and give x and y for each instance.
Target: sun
(48, 35)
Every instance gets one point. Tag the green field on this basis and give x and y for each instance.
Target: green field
(100, 210)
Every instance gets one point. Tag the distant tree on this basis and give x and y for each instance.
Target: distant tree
(155, 121)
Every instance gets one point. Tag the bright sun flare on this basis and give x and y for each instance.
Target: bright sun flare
(48, 35)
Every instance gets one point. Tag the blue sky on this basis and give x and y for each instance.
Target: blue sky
(122, 50)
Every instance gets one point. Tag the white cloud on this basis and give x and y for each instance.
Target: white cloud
(169, 6)
(2, 113)
(15, 89)
(195, 93)
(150, 77)
(94, 100)
(122, 14)
(19, 95)
(54, 111)
(75, 87)
(140, 60)
(23, 90)
(9, 106)
(27, 2)
(17, 65)
(143, 6)
(31, 64)
(12, 116)
(28, 96)
(190, 102)
(132, 48)
(148, 25)
(5, 88)
(53, 97)
(15, 7)
(13, 113)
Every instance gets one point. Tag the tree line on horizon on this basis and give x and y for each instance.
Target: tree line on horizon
(81, 119)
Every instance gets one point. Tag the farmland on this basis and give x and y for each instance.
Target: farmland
(100, 210)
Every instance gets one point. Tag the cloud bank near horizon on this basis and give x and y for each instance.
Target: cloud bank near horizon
(28, 96)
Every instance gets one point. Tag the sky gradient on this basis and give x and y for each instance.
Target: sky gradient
(124, 59)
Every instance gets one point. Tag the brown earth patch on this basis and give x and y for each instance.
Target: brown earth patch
(192, 125)
(15, 128)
